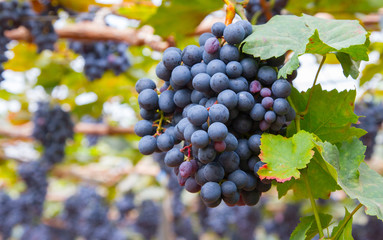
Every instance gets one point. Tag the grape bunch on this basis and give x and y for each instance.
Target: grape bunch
(102, 56)
(52, 127)
(210, 114)
(148, 220)
(372, 121)
(255, 12)
(86, 215)
(13, 15)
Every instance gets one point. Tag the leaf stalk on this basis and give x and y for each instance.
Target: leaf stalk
(312, 88)
(313, 204)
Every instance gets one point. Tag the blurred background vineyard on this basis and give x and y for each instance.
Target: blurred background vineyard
(132, 196)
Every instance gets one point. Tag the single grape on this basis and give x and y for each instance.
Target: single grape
(162, 72)
(231, 142)
(220, 146)
(219, 113)
(144, 127)
(144, 83)
(197, 115)
(166, 102)
(216, 66)
(217, 131)
(250, 68)
(281, 88)
(181, 75)
(182, 98)
(281, 106)
(198, 68)
(267, 75)
(165, 142)
(270, 116)
(233, 69)
(255, 143)
(245, 101)
(238, 84)
(239, 178)
(191, 55)
(186, 169)
(228, 188)
(211, 45)
(214, 172)
(201, 82)
(147, 145)
(228, 98)
(148, 99)
(267, 102)
(192, 186)
(171, 59)
(229, 53)
(174, 157)
(255, 86)
(234, 33)
(218, 28)
(219, 82)
(200, 139)
(265, 92)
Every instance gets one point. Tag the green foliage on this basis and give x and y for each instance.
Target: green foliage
(320, 181)
(346, 232)
(307, 228)
(330, 114)
(180, 18)
(308, 34)
(354, 176)
(284, 162)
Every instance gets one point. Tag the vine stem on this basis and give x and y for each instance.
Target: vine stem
(313, 204)
(345, 222)
(312, 88)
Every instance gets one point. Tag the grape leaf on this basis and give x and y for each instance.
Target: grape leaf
(284, 162)
(307, 34)
(181, 17)
(320, 180)
(307, 227)
(346, 233)
(330, 122)
(354, 176)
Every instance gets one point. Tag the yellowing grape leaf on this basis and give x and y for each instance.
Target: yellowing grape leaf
(284, 161)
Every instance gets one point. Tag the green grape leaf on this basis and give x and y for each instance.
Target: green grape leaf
(284, 162)
(346, 233)
(329, 116)
(354, 176)
(307, 227)
(307, 34)
(180, 17)
(350, 67)
(320, 180)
